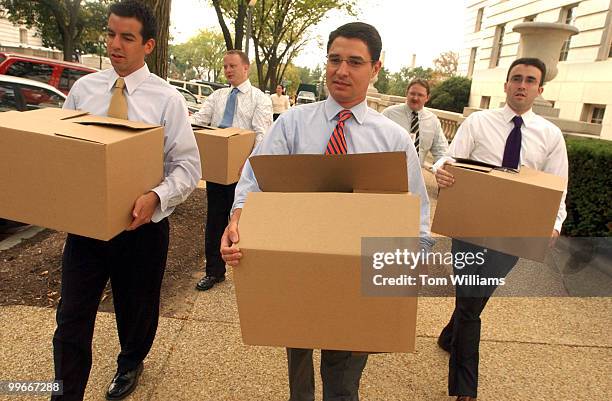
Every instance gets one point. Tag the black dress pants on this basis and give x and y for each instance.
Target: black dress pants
(462, 332)
(134, 261)
(220, 199)
(340, 372)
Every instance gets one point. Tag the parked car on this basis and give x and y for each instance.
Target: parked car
(200, 91)
(57, 73)
(304, 97)
(214, 85)
(193, 104)
(25, 94)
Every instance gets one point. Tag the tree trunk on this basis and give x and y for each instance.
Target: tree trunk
(158, 59)
(226, 33)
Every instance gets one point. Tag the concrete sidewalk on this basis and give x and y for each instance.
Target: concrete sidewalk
(539, 348)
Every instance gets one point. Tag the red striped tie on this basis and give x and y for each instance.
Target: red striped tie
(337, 141)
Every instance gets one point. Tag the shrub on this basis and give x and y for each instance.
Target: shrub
(589, 197)
(452, 95)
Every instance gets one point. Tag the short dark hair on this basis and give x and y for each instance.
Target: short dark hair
(536, 62)
(418, 81)
(359, 30)
(140, 11)
(243, 56)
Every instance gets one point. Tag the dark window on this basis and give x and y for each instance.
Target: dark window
(189, 97)
(2, 58)
(598, 114)
(568, 16)
(7, 97)
(39, 98)
(38, 72)
(69, 77)
(193, 88)
(478, 24)
(206, 91)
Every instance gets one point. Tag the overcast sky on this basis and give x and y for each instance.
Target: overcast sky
(426, 28)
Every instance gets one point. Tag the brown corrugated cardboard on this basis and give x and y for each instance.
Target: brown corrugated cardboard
(509, 212)
(74, 172)
(223, 152)
(298, 284)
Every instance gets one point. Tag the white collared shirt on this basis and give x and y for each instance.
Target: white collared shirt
(306, 129)
(153, 101)
(482, 136)
(431, 136)
(253, 109)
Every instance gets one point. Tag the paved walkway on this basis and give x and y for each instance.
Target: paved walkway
(545, 349)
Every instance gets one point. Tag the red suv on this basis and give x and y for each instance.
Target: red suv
(57, 73)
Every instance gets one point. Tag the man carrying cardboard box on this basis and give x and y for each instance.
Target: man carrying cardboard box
(134, 260)
(339, 125)
(507, 137)
(241, 106)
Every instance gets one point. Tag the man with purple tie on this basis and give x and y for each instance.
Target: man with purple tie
(508, 137)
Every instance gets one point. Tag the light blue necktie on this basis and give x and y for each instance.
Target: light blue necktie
(230, 107)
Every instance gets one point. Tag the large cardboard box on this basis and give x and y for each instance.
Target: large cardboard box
(298, 284)
(505, 211)
(75, 172)
(223, 152)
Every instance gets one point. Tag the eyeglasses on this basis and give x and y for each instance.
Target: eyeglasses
(353, 62)
(517, 79)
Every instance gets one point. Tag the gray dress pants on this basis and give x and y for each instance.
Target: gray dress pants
(340, 373)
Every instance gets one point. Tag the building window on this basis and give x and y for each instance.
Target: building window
(498, 44)
(479, 19)
(568, 16)
(610, 51)
(485, 101)
(530, 18)
(472, 62)
(23, 36)
(593, 113)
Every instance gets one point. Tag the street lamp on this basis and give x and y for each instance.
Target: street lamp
(249, 23)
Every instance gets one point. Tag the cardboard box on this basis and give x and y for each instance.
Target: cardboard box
(298, 284)
(505, 211)
(223, 152)
(75, 172)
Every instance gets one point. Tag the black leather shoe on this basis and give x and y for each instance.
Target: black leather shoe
(208, 282)
(124, 384)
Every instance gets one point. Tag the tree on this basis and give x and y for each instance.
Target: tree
(158, 59)
(279, 30)
(399, 81)
(452, 94)
(446, 63)
(237, 11)
(382, 83)
(204, 52)
(68, 25)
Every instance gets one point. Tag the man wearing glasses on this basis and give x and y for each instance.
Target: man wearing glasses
(508, 137)
(352, 61)
(422, 124)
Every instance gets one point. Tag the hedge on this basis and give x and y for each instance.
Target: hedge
(589, 197)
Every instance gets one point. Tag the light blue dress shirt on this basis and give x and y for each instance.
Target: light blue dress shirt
(153, 101)
(306, 130)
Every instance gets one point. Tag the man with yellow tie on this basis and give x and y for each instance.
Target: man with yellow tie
(134, 260)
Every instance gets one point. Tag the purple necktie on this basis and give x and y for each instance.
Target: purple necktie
(512, 152)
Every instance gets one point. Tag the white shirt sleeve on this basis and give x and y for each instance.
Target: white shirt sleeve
(182, 169)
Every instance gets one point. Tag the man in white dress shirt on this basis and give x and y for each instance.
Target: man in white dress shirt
(342, 124)
(509, 137)
(423, 125)
(242, 106)
(134, 260)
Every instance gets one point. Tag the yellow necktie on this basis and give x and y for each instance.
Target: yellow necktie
(118, 107)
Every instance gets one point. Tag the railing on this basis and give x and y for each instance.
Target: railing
(450, 121)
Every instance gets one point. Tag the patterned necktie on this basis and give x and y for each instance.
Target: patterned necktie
(512, 151)
(414, 128)
(337, 140)
(118, 107)
(230, 108)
